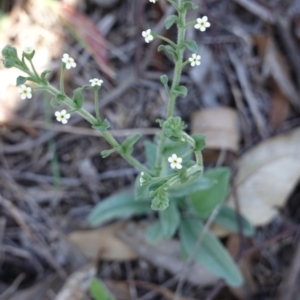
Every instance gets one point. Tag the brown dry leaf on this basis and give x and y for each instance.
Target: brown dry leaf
(247, 290)
(219, 125)
(280, 107)
(87, 33)
(267, 174)
(103, 243)
(165, 254)
(276, 67)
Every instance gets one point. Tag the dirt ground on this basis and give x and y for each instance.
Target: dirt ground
(52, 175)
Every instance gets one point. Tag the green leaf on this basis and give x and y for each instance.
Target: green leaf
(227, 217)
(154, 233)
(168, 49)
(189, 4)
(181, 90)
(191, 45)
(170, 20)
(44, 74)
(55, 102)
(61, 97)
(21, 80)
(164, 79)
(121, 205)
(169, 220)
(201, 183)
(150, 151)
(106, 153)
(210, 253)
(103, 126)
(129, 142)
(204, 201)
(200, 141)
(98, 290)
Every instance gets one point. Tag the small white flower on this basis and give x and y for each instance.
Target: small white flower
(175, 162)
(25, 91)
(202, 23)
(147, 35)
(96, 81)
(62, 116)
(195, 60)
(153, 1)
(69, 61)
(142, 180)
(28, 49)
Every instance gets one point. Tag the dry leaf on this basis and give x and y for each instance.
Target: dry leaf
(165, 255)
(267, 174)
(219, 125)
(103, 243)
(280, 107)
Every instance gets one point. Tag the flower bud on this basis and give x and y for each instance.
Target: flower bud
(9, 51)
(8, 63)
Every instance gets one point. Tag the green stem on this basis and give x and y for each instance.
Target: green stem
(62, 77)
(34, 70)
(185, 63)
(190, 24)
(158, 36)
(176, 78)
(106, 134)
(97, 104)
(174, 4)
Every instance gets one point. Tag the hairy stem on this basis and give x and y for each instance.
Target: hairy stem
(106, 134)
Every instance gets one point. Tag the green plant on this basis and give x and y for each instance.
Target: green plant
(173, 181)
(98, 290)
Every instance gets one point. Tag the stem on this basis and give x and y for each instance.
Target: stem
(174, 4)
(33, 68)
(190, 24)
(106, 134)
(62, 76)
(158, 36)
(97, 104)
(176, 78)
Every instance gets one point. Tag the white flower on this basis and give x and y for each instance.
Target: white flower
(142, 180)
(28, 49)
(147, 35)
(25, 91)
(195, 60)
(96, 81)
(69, 61)
(153, 1)
(175, 161)
(62, 116)
(202, 23)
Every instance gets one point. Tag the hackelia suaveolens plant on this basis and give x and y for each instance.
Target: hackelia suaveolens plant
(69, 61)
(147, 35)
(25, 92)
(202, 23)
(62, 116)
(195, 60)
(175, 162)
(96, 82)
